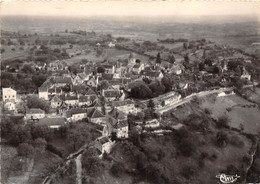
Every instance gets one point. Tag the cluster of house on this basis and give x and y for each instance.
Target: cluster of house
(98, 97)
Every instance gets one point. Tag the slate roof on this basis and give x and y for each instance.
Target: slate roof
(68, 97)
(117, 114)
(121, 103)
(52, 121)
(150, 73)
(73, 111)
(96, 114)
(107, 76)
(90, 92)
(121, 124)
(56, 99)
(35, 111)
(107, 66)
(103, 140)
(112, 93)
(136, 66)
(63, 80)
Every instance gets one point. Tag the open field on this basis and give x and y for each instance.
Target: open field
(238, 110)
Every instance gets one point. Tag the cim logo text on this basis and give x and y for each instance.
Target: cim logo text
(227, 178)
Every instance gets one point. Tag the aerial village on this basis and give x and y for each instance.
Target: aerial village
(99, 93)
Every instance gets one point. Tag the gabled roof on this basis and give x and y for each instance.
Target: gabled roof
(107, 76)
(107, 66)
(63, 80)
(35, 111)
(73, 111)
(117, 114)
(97, 104)
(112, 93)
(56, 99)
(150, 73)
(90, 92)
(121, 103)
(52, 121)
(82, 75)
(136, 66)
(68, 97)
(8, 90)
(96, 114)
(121, 124)
(103, 140)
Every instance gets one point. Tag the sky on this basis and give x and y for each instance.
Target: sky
(128, 8)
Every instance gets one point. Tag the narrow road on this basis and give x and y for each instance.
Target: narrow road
(78, 169)
(188, 99)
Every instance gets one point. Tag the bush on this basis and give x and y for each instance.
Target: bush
(186, 148)
(207, 111)
(188, 171)
(117, 169)
(54, 150)
(236, 141)
(25, 149)
(222, 139)
(222, 122)
(40, 144)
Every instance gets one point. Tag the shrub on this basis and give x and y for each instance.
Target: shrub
(25, 149)
(222, 122)
(236, 141)
(186, 148)
(117, 169)
(54, 150)
(207, 111)
(188, 171)
(222, 139)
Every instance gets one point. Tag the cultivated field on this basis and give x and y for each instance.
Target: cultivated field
(239, 110)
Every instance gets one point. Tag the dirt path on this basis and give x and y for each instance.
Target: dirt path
(78, 169)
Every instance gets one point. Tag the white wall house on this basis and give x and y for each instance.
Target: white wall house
(104, 144)
(76, 114)
(9, 94)
(10, 106)
(122, 130)
(152, 123)
(35, 113)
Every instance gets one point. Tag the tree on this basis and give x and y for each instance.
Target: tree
(27, 68)
(25, 149)
(216, 70)
(103, 85)
(38, 80)
(167, 82)
(5, 83)
(66, 88)
(138, 61)
(40, 144)
(140, 115)
(157, 88)
(171, 59)
(158, 58)
(35, 102)
(222, 122)
(151, 104)
(90, 162)
(185, 45)
(208, 61)
(201, 66)
(41, 131)
(222, 139)
(187, 58)
(141, 91)
(117, 169)
(20, 134)
(100, 69)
